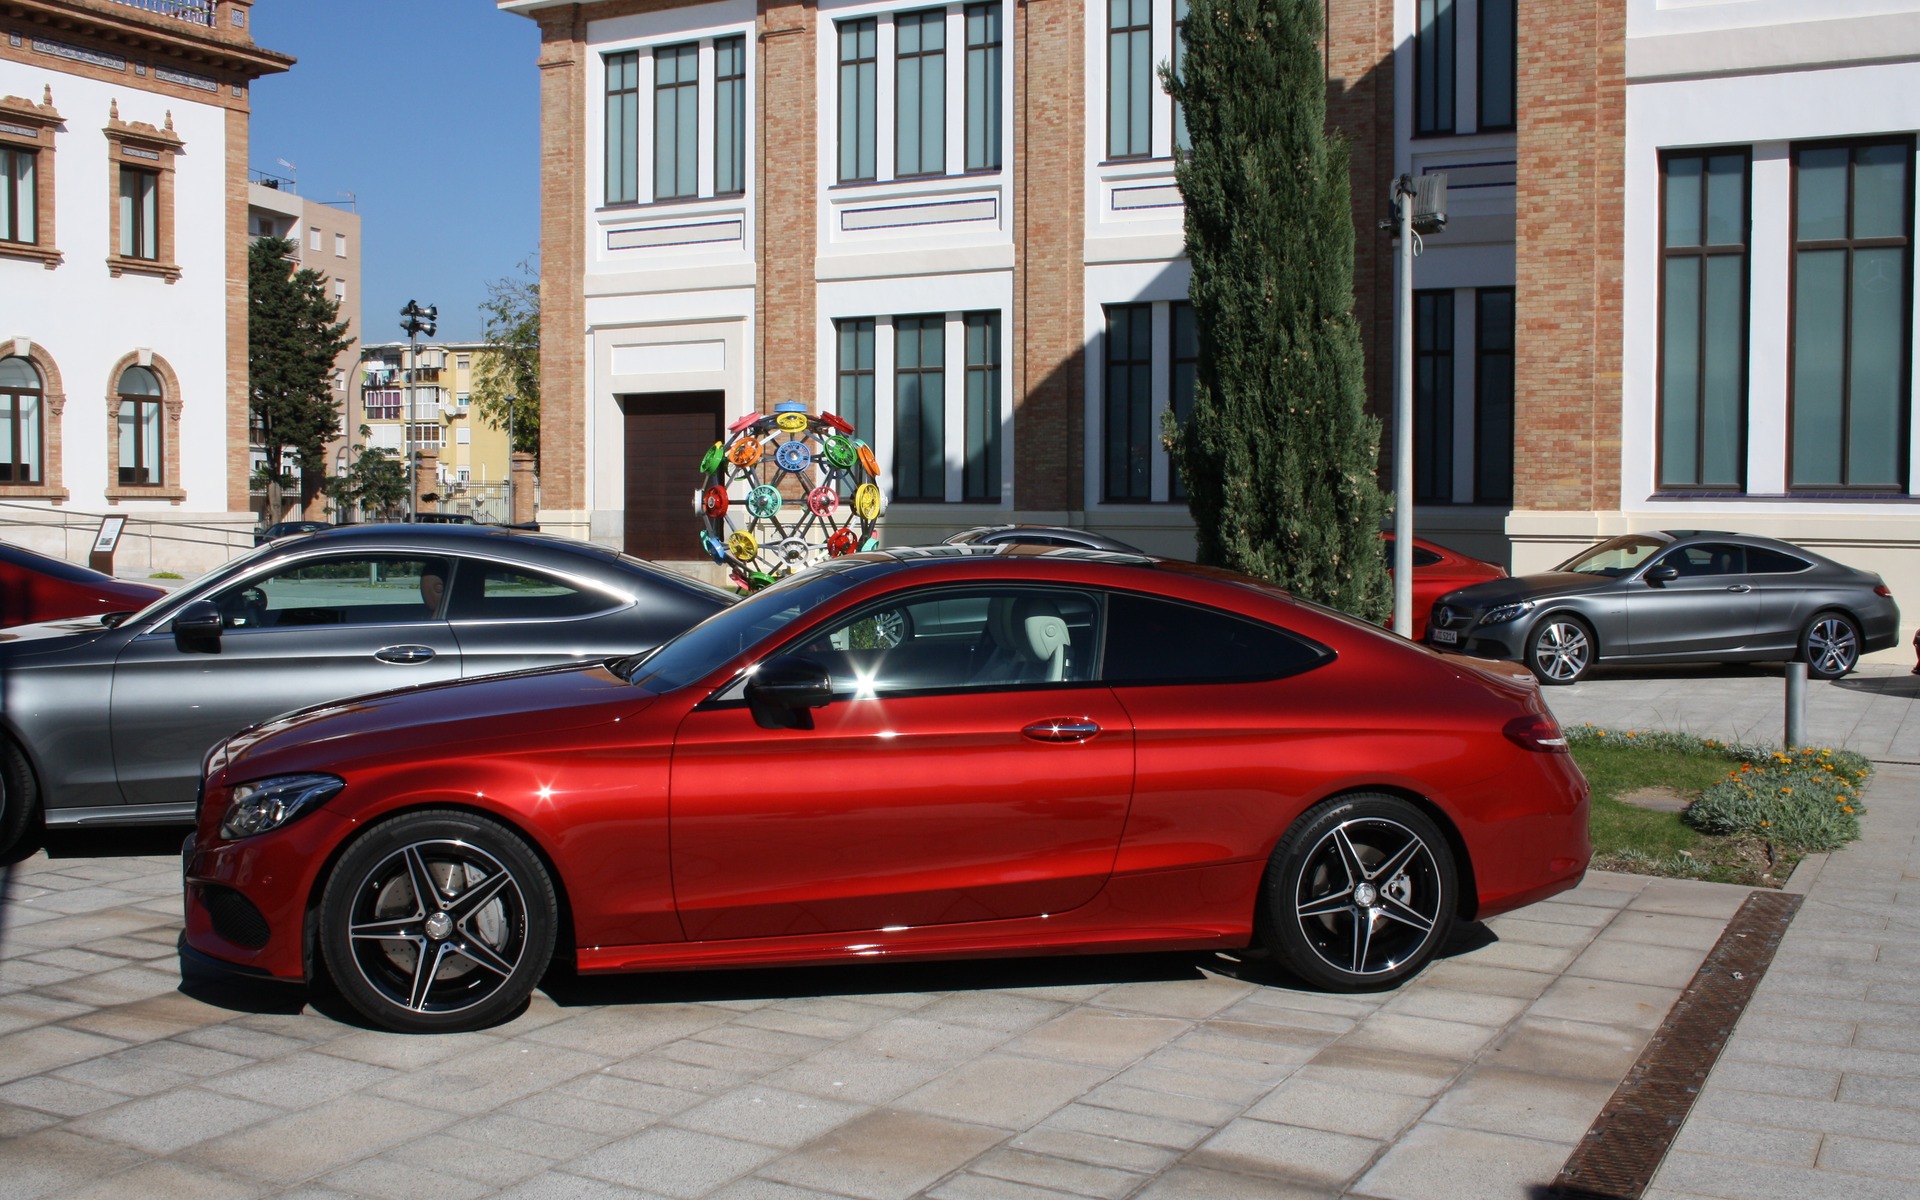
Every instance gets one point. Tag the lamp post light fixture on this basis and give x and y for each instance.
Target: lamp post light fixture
(1419, 207)
(416, 320)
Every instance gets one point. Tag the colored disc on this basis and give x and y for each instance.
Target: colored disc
(792, 422)
(866, 501)
(745, 452)
(836, 421)
(712, 546)
(790, 406)
(713, 502)
(840, 452)
(764, 500)
(840, 543)
(868, 461)
(758, 580)
(745, 422)
(873, 543)
(743, 545)
(822, 501)
(793, 456)
(795, 552)
(711, 460)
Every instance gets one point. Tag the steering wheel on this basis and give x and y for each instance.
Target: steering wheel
(247, 608)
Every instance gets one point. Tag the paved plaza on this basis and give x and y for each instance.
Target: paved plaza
(1155, 1076)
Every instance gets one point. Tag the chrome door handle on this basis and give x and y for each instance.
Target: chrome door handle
(1065, 729)
(404, 655)
(1739, 587)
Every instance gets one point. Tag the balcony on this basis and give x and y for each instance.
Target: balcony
(197, 12)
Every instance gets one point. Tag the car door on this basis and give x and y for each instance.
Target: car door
(1710, 605)
(507, 617)
(318, 628)
(952, 778)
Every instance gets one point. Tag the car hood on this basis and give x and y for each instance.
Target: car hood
(1541, 586)
(66, 630)
(454, 717)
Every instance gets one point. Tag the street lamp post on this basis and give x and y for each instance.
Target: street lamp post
(1419, 207)
(416, 320)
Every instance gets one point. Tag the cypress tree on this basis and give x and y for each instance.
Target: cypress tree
(1280, 455)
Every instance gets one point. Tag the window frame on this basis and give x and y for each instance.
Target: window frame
(1433, 365)
(10, 466)
(1442, 117)
(1140, 374)
(628, 97)
(34, 129)
(142, 233)
(1482, 354)
(865, 100)
(1703, 252)
(136, 146)
(980, 473)
(730, 131)
(1512, 57)
(168, 482)
(675, 152)
(991, 51)
(931, 449)
(1133, 87)
(16, 183)
(922, 60)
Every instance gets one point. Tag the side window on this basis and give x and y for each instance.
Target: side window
(497, 592)
(1707, 560)
(377, 589)
(1773, 562)
(1150, 641)
(977, 638)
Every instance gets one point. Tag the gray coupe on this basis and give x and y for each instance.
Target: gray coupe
(105, 720)
(1674, 596)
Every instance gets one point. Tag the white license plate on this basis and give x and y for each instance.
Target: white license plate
(1446, 637)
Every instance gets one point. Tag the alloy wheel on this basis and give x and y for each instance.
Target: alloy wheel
(1370, 896)
(437, 926)
(1832, 646)
(1562, 651)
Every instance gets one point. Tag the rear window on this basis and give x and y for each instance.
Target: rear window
(496, 592)
(1151, 640)
(1772, 562)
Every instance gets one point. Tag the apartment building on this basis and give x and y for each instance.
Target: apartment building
(326, 238)
(1675, 289)
(123, 224)
(465, 460)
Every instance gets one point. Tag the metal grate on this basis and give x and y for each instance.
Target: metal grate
(234, 917)
(1633, 1132)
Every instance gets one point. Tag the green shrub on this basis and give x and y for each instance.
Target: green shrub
(166, 575)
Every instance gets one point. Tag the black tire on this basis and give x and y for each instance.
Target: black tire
(1830, 645)
(19, 796)
(1560, 649)
(1359, 894)
(490, 928)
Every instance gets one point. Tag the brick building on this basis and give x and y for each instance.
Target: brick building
(923, 216)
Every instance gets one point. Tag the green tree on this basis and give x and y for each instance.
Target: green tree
(506, 384)
(1280, 456)
(376, 480)
(293, 337)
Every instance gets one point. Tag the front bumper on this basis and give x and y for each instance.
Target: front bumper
(247, 902)
(1506, 640)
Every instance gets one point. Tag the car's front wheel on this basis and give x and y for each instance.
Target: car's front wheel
(1560, 649)
(1359, 893)
(1830, 645)
(19, 797)
(438, 921)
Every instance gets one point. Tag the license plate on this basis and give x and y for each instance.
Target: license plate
(1446, 637)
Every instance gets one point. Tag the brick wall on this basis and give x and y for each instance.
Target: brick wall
(1359, 57)
(785, 187)
(563, 396)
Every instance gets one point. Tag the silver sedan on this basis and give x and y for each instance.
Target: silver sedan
(105, 721)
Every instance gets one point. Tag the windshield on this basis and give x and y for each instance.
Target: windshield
(706, 647)
(197, 587)
(1617, 556)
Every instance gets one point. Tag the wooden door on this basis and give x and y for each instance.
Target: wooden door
(667, 433)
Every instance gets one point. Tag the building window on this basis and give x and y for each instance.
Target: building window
(139, 421)
(1703, 320)
(919, 408)
(340, 291)
(854, 373)
(313, 238)
(983, 87)
(427, 435)
(1493, 396)
(1852, 317)
(463, 362)
(339, 245)
(139, 214)
(676, 122)
(1128, 432)
(1182, 373)
(1433, 397)
(22, 400)
(18, 196)
(920, 93)
(1434, 48)
(1498, 65)
(859, 99)
(730, 116)
(980, 473)
(1181, 139)
(623, 128)
(1129, 78)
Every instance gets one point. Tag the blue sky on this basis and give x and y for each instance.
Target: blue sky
(428, 111)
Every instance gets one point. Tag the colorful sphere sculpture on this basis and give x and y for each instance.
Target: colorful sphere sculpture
(787, 490)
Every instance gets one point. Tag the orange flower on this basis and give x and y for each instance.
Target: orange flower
(1846, 808)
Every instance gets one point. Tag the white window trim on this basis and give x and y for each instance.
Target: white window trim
(644, 47)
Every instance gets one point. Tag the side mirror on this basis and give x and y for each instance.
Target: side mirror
(1660, 575)
(197, 626)
(783, 689)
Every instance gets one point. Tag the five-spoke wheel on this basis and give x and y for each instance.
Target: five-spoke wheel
(1830, 645)
(1359, 894)
(438, 921)
(1560, 649)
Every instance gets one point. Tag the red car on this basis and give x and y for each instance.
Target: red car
(38, 587)
(1437, 571)
(945, 752)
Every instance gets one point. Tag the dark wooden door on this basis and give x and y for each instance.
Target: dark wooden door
(667, 433)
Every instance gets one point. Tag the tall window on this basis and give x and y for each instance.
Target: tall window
(1128, 433)
(730, 116)
(854, 373)
(1434, 48)
(676, 122)
(1184, 368)
(1498, 62)
(1703, 323)
(1493, 394)
(919, 408)
(1852, 321)
(17, 208)
(139, 213)
(21, 396)
(980, 474)
(983, 86)
(920, 93)
(1129, 78)
(859, 99)
(1433, 397)
(139, 421)
(623, 125)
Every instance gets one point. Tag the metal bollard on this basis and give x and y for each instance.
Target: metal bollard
(1796, 705)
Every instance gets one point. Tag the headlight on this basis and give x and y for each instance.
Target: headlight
(254, 808)
(1507, 612)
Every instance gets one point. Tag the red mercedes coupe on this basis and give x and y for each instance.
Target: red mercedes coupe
(936, 753)
(38, 587)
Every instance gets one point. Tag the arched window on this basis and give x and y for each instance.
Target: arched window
(140, 446)
(22, 398)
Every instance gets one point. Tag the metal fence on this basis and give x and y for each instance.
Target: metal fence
(200, 12)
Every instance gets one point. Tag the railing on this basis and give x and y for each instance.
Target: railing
(279, 183)
(200, 12)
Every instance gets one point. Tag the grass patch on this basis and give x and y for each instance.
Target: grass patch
(166, 575)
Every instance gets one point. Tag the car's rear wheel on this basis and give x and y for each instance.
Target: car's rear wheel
(1560, 649)
(438, 921)
(1359, 893)
(19, 796)
(1830, 645)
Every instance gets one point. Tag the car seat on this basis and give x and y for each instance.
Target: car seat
(1031, 643)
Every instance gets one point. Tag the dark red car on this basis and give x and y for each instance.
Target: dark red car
(945, 752)
(38, 587)
(1437, 571)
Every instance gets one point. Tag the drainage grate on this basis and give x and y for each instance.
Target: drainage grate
(1631, 1135)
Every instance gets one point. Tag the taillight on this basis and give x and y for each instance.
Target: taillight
(1538, 733)
(1883, 590)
